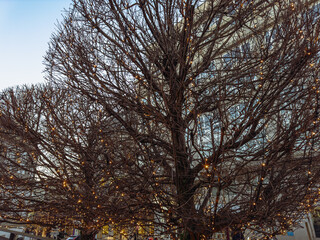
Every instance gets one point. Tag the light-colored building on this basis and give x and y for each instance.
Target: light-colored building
(309, 229)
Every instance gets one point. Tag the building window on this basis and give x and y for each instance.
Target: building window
(316, 222)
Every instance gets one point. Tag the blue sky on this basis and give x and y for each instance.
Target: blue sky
(25, 30)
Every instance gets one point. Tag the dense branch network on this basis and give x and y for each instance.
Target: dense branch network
(57, 168)
(215, 105)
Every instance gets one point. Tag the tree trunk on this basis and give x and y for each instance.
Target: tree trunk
(87, 235)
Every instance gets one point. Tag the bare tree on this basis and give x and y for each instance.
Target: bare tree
(218, 99)
(56, 161)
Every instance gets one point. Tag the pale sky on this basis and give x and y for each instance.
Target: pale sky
(25, 30)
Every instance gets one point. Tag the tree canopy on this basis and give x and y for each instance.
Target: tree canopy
(214, 106)
(57, 168)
